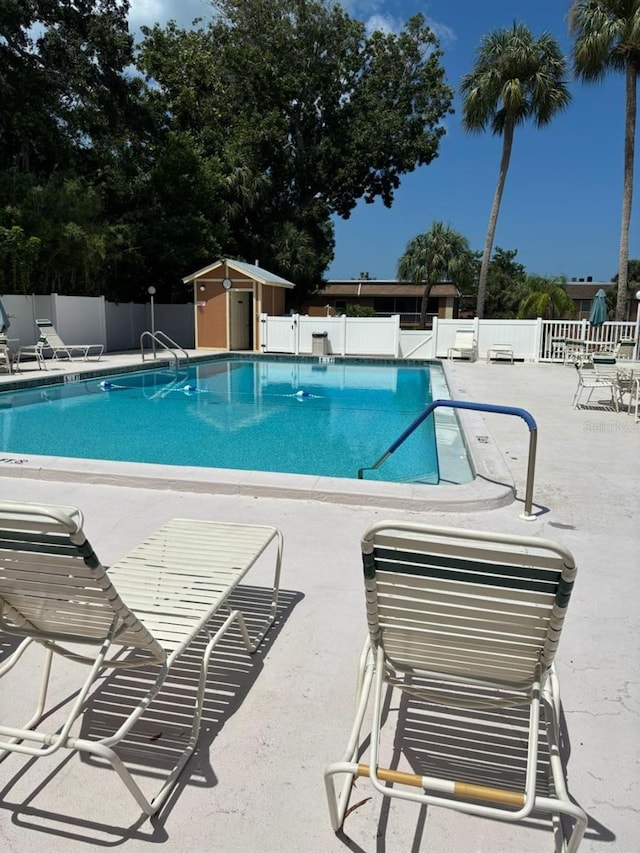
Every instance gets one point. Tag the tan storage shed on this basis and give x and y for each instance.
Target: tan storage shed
(229, 296)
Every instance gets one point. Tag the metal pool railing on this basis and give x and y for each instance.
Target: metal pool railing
(477, 407)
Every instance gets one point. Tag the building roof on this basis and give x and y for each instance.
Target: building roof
(384, 288)
(584, 290)
(251, 271)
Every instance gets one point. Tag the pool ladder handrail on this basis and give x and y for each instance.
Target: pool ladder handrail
(527, 417)
(161, 338)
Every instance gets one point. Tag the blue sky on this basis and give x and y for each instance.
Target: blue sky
(561, 207)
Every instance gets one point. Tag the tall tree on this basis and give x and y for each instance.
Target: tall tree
(515, 78)
(61, 80)
(306, 113)
(506, 286)
(439, 254)
(607, 38)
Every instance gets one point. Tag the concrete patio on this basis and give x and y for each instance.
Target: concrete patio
(274, 721)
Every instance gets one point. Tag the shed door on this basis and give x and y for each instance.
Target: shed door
(240, 314)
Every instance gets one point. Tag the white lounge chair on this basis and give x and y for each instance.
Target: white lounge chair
(464, 345)
(466, 624)
(600, 373)
(147, 609)
(50, 341)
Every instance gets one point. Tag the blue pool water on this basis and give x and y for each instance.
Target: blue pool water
(262, 415)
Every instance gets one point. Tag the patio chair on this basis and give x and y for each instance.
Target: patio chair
(50, 340)
(575, 351)
(468, 623)
(598, 373)
(625, 348)
(625, 377)
(146, 610)
(464, 344)
(5, 354)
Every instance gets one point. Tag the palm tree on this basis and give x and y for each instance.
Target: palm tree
(607, 37)
(515, 77)
(440, 253)
(546, 298)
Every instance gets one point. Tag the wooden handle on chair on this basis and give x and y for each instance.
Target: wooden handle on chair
(464, 790)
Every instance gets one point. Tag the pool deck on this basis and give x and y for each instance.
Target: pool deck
(256, 780)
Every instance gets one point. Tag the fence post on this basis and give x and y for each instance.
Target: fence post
(434, 336)
(537, 347)
(102, 307)
(396, 335)
(295, 319)
(54, 309)
(262, 343)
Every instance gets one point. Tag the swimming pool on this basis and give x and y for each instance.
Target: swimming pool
(260, 414)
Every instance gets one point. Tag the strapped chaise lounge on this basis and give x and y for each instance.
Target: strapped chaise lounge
(146, 610)
(50, 341)
(466, 625)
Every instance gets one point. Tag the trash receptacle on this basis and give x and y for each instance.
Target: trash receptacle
(319, 343)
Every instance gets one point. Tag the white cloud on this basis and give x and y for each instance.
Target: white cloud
(384, 23)
(374, 12)
(362, 8)
(444, 33)
(150, 12)
(376, 17)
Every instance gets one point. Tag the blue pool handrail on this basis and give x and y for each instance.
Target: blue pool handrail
(527, 417)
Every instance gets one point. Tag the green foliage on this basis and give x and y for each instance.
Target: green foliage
(242, 138)
(306, 115)
(515, 78)
(61, 85)
(633, 283)
(440, 254)
(359, 311)
(506, 285)
(57, 230)
(546, 298)
(18, 258)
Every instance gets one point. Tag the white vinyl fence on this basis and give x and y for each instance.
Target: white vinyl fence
(338, 335)
(93, 320)
(88, 320)
(531, 340)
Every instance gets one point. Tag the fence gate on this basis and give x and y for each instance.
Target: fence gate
(279, 334)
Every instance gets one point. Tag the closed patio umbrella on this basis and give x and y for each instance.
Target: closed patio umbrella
(598, 313)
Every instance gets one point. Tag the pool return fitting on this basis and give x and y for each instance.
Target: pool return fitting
(527, 515)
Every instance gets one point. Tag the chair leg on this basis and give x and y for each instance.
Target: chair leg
(338, 802)
(561, 804)
(42, 693)
(576, 396)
